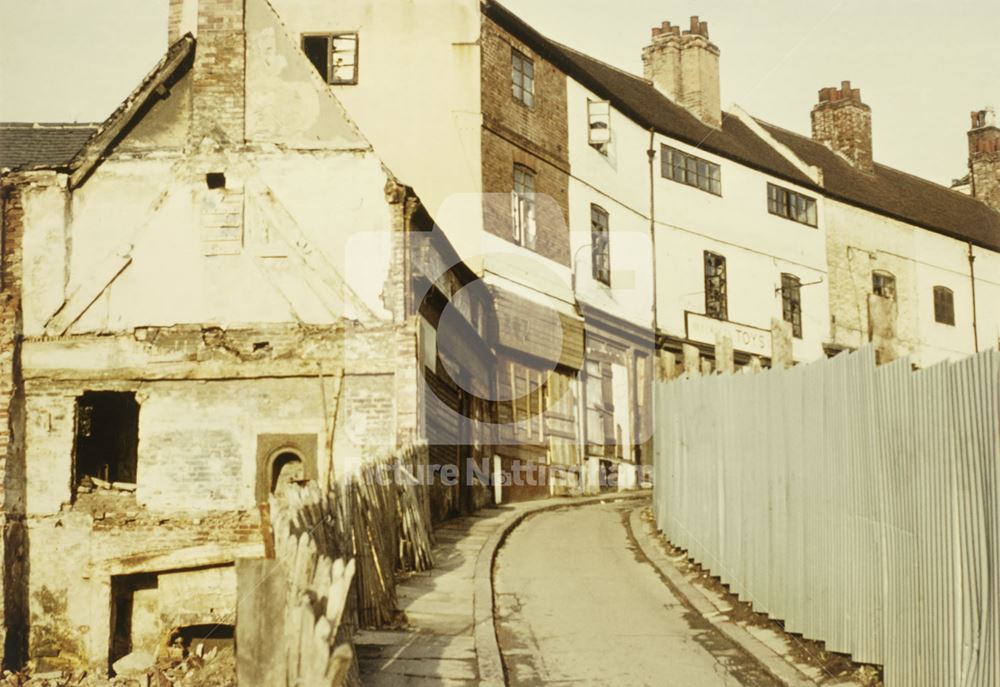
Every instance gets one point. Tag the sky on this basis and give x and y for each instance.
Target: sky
(922, 65)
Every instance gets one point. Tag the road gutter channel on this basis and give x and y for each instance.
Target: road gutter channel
(490, 662)
(689, 594)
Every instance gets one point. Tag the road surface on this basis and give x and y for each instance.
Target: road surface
(576, 604)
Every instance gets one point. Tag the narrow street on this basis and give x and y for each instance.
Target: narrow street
(576, 603)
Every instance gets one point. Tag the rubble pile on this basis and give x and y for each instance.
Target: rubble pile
(214, 668)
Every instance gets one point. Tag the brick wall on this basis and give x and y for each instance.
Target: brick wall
(220, 72)
(13, 553)
(536, 137)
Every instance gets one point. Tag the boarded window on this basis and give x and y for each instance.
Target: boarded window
(523, 207)
(600, 409)
(883, 284)
(335, 56)
(944, 305)
(107, 436)
(600, 245)
(599, 124)
(715, 286)
(791, 205)
(527, 402)
(687, 169)
(791, 303)
(522, 78)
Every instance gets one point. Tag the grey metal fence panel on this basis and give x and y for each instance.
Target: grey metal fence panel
(859, 504)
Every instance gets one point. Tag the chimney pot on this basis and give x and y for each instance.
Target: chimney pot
(694, 24)
(984, 157)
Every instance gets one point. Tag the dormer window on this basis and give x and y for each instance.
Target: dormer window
(335, 56)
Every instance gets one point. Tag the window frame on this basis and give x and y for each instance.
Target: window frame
(600, 244)
(521, 67)
(792, 205)
(524, 221)
(330, 37)
(690, 170)
(887, 278)
(946, 316)
(599, 125)
(717, 294)
(791, 302)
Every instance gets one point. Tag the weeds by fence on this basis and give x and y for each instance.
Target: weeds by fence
(861, 505)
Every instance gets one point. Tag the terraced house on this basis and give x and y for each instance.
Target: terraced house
(321, 231)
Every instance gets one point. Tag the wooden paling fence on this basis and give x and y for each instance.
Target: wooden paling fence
(336, 554)
(859, 504)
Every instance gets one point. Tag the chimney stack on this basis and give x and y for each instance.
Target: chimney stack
(685, 66)
(984, 158)
(843, 122)
(219, 71)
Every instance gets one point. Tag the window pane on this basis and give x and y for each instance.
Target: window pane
(344, 57)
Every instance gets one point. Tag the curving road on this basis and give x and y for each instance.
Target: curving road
(576, 604)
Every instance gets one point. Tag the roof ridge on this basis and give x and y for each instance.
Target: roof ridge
(602, 62)
(890, 168)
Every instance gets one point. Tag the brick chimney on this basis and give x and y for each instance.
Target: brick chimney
(219, 71)
(844, 123)
(984, 158)
(685, 66)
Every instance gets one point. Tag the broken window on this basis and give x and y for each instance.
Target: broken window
(215, 180)
(715, 286)
(687, 169)
(599, 124)
(522, 78)
(883, 284)
(335, 56)
(944, 305)
(523, 207)
(107, 436)
(600, 245)
(791, 205)
(791, 303)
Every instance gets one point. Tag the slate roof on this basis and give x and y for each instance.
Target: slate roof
(24, 145)
(897, 194)
(889, 192)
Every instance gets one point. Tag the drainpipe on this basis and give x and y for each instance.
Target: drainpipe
(972, 280)
(651, 153)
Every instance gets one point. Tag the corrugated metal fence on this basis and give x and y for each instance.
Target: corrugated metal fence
(859, 504)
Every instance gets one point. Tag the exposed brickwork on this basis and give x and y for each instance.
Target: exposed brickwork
(13, 554)
(536, 137)
(220, 72)
(984, 158)
(843, 122)
(685, 66)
